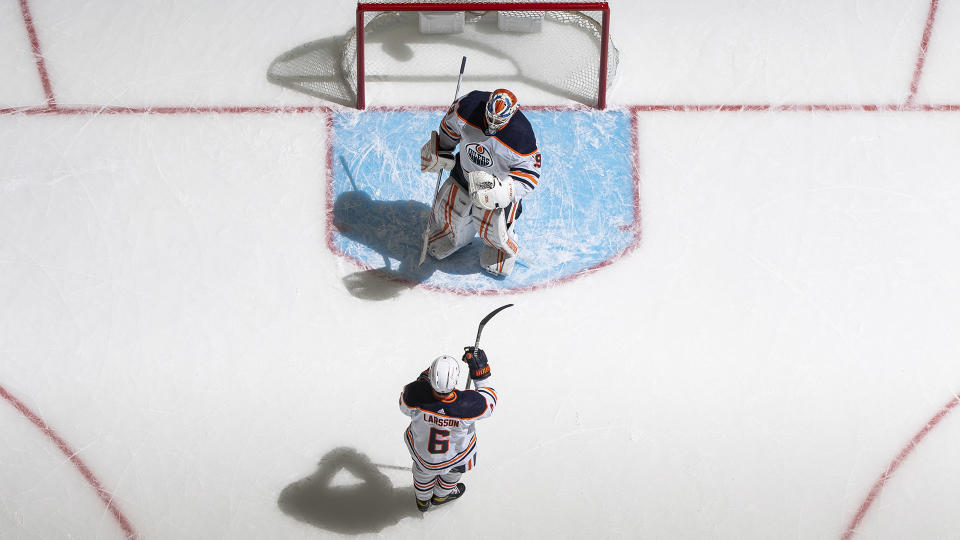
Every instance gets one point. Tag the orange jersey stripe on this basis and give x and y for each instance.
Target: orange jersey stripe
(505, 145)
(452, 134)
(488, 389)
(530, 177)
(438, 414)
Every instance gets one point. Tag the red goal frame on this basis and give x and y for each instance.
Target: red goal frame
(603, 7)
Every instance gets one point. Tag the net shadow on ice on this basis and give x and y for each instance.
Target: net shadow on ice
(369, 505)
(314, 69)
(397, 52)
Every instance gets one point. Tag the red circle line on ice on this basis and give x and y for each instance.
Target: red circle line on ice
(105, 496)
(895, 464)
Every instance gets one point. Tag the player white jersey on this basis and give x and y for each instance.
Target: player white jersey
(442, 434)
(512, 151)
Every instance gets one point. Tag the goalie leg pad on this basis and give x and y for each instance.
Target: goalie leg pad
(451, 225)
(499, 254)
(496, 262)
(492, 227)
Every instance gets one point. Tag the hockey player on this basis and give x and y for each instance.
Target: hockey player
(498, 164)
(442, 438)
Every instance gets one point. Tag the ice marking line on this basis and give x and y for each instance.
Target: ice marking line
(635, 148)
(37, 54)
(802, 107)
(308, 109)
(105, 496)
(922, 55)
(329, 226)
(203, 109)
(895, 464)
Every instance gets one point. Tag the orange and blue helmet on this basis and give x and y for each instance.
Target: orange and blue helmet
(500, 108)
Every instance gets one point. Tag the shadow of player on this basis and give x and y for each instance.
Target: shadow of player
(394, 230)
(367, 507)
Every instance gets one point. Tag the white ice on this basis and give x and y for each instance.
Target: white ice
(785, 329)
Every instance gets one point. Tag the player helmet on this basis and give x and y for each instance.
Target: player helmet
(444, 374)
(500, 108)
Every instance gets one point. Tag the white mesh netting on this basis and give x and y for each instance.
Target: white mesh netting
(559, 51)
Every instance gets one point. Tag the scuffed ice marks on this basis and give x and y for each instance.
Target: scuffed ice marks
(581, 216)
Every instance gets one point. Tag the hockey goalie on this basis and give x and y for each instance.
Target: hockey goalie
(497, 165)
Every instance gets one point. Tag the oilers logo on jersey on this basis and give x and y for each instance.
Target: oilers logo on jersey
(479, 155)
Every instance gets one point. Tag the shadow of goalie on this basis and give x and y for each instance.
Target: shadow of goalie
(367, 229)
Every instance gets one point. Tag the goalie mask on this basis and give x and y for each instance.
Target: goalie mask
(500, 108)
(444, 374)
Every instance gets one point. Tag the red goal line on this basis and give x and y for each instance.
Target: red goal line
(311, 109)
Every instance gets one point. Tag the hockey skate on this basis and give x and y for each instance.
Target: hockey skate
(423, 506)
(455, 494)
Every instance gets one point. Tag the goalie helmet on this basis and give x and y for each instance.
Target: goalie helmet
(444, 374)
(500, 108)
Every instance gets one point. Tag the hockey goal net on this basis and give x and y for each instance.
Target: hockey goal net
(560, 47)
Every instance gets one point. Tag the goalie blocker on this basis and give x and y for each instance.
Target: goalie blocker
(432, 159)
(497, 165)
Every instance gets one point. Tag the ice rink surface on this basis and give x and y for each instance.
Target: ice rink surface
(183, 355)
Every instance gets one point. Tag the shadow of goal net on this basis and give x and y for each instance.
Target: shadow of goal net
(562, 48)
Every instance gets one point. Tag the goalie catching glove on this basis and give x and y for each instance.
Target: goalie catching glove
(488, 191)
(477, 360)
(432, 158)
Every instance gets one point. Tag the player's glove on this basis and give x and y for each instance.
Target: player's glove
(488, 191)
(432, 158)
(477, 360)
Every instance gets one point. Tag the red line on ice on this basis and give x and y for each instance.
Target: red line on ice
(328, 124)
(895, 464)
(74, 458)
(37, 54)
(204, 109)
(307, 109)
(922, 55)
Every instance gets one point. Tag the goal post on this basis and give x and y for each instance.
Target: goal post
(560, 46)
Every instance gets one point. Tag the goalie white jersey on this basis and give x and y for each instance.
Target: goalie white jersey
(511, 152)
(442, 433)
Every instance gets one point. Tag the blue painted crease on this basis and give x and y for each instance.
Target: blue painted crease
(579, 217)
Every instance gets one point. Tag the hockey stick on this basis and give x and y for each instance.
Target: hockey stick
(436, 189)
(483, 322)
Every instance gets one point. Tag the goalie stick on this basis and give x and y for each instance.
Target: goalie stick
(426, 230)
(483, 322)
